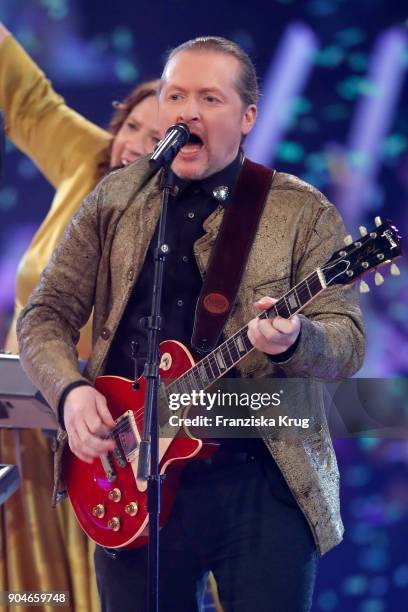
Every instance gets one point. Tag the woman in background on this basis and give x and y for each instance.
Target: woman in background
(42, 549)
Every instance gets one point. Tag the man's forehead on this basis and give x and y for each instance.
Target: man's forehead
(213, 62)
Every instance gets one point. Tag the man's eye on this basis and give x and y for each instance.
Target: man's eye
(131, 126)
(174, 97)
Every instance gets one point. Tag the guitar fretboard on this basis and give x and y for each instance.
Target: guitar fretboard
(229, 353)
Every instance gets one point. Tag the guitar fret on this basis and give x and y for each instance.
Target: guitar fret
(197, 373)
(280, 305)
(240, 343)
(220, 360)
(294, 302)
(214, 366)
(226, 354)
(189, 378)
(247, 342)
(209, 370)
(306, 284)
(203, 372)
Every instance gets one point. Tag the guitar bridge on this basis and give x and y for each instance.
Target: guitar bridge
(108, 467)
(127, 438)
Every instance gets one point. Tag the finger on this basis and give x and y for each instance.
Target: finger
(287, 326)
(265, 302)
(91, 444)
(273, 344)
(103, 411)
(95, 425)
(268, 330)
(74, 445)
(263, 339)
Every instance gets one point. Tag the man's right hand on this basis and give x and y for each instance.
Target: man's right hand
(87, 420)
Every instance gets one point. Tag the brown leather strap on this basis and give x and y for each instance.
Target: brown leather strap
(229, 255)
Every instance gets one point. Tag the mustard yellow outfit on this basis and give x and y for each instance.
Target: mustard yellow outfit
(43, 549)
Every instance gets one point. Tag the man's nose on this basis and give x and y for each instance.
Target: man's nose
(189, 112)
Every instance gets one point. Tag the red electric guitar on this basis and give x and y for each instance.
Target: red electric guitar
(109, 501)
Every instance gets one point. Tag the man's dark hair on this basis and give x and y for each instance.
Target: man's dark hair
(247, 85)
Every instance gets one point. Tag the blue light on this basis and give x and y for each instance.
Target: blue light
(8, 198)
(372, 605)
(354, 585)
(401, 576)
(327, 600)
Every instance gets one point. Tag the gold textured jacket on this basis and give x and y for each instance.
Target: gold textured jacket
(99, 260)
(66, 148)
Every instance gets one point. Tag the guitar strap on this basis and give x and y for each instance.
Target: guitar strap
(229, 255)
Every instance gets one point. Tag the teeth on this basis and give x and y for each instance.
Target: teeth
(124, 162)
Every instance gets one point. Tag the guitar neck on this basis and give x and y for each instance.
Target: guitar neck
(222, 359)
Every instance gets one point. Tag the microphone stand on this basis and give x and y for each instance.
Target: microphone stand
(149, 445)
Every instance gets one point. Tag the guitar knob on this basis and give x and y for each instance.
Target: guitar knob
(395, 271)
(114, 523)
(115, 495)
(364, 288)
(131, 508)
(348, 239)
(378, 279)
(363, 230)
(377, 221)
(99, 511)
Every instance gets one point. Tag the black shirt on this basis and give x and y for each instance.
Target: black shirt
(187, 211)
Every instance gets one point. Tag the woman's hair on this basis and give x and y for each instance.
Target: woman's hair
(121, 112)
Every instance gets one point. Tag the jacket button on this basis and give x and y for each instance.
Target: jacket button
(105, 334)
(130, 274)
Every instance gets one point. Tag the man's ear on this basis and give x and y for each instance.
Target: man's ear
(248, 119)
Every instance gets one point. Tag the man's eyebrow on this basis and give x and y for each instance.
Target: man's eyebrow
(208, 89)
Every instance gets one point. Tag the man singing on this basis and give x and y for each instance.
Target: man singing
(260, 511)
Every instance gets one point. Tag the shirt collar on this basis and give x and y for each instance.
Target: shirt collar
(227, 177)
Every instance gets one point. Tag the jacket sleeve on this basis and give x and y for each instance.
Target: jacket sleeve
(48, 327)
(331, 342)
(37, 119)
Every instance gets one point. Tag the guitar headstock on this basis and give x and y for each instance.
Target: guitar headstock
(374, 248)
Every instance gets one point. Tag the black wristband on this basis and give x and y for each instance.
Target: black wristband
(78, 383)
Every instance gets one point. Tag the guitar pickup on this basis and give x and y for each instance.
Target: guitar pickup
(127, 438)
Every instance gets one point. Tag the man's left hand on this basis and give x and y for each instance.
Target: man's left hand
(275, 335)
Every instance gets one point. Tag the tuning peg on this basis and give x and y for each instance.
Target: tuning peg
(378, 279)
(363, 230)
(364, 288)
(395, 271)
(377, 221)
(348, 239)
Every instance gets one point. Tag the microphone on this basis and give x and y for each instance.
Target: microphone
(166, 150)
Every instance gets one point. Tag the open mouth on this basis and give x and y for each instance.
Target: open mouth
(193, 145)
(195, 140)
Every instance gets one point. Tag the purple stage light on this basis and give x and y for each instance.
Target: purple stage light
(371, 124)
(286, 77)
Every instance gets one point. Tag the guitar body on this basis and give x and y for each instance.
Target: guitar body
(88, 485)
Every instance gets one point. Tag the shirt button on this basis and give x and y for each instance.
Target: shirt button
(180, 302)
(105, 333)
(185, 258)
(130, 274)
(191, 215)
